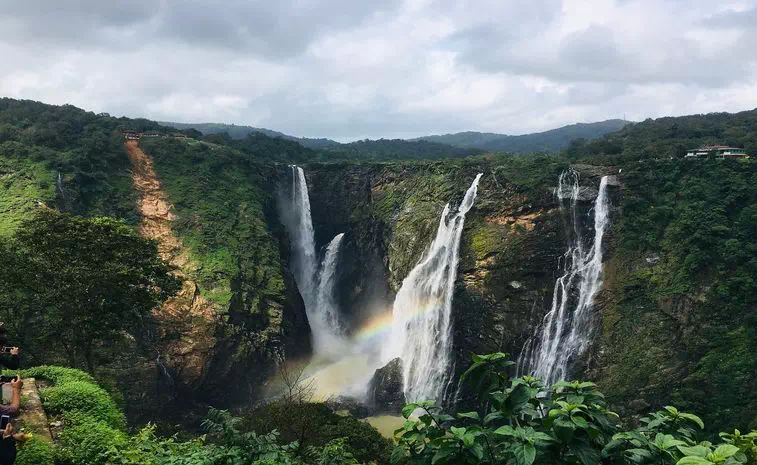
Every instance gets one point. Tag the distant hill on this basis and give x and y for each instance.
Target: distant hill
(554, 140)
(241, 132)
(397, 149)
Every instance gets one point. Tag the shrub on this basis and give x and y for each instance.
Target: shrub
(58, 375)
(35, 451)
(83, 397)
(315, 425)
(86, 439)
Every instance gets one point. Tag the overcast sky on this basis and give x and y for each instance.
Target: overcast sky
(351, 69)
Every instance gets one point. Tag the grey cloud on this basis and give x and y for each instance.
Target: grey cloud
(731, 20)
(387, 68)
(270, 29)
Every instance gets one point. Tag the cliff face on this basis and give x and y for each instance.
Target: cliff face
(509, 251)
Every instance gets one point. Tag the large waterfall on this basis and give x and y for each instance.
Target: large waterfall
(565, 331)
(316, 289)
(421, 317)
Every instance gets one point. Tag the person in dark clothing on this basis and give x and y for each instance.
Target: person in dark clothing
(8, 445)
(8, 354)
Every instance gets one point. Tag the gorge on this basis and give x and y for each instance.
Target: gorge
(627, 270)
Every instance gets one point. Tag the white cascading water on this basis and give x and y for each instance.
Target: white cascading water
(317, 292)
(330, 340)
(566, 329)
(421, 316)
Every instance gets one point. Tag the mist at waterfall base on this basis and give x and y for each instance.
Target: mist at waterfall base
(416, 328)
(565, 331)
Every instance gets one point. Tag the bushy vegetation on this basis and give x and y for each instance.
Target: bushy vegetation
(69, 284)
(515, 422)
(36, 451)
(315, 425)
(519, 422)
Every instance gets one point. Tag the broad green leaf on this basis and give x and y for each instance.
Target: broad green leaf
(492, 417)
(457, 432)
(694, 418)
(672, 410)
(696, 451)
(478, 451)
(506, 430)
(580, 422)
(693, 460)
(408, 409)
(525, 454)
(725, 451)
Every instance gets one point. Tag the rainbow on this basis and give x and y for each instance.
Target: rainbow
(381, 325)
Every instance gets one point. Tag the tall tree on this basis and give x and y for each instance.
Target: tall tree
(80, 281)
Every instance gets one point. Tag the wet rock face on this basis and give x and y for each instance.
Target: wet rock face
(385, 392)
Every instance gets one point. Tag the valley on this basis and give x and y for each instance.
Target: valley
(605, 263)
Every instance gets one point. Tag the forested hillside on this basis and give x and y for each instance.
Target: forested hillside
(672, 137)
(242, 132)
(552, 141)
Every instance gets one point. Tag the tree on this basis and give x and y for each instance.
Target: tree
(80, 282)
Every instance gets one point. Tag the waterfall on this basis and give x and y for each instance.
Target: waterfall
(566, 329)
(421, 317)
(329, 340)
(316, 288)
(303, 240)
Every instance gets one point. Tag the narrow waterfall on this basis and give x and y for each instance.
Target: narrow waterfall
(329, 340)
(566, 329)
(421, 317)
(303, 240)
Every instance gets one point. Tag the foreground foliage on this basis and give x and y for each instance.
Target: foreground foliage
(519, 422)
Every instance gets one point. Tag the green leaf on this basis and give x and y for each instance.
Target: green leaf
(580, 422)
(493, 416)
(725, 451)
(478, 451)
(398, 454)
(457, 432)
(696, 451)
(442, 454)
(506, 430)
(525, 454)
(471, 415)
(585, 453)
(694, 418)
(693, 460)
(408, 409)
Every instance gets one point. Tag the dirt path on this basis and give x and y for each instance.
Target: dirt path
(186, 322)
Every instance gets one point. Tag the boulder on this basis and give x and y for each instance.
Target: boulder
(385, 390)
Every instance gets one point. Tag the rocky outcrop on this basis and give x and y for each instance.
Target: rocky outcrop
(385, 390)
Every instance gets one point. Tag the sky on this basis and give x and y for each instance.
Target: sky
(354, 69)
